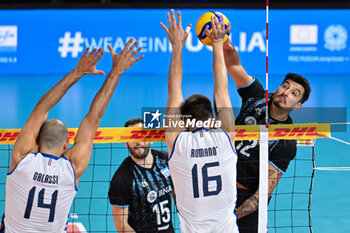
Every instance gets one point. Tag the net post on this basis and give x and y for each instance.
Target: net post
(263, 178)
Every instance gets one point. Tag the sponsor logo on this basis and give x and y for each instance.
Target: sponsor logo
(303, 34)
(165, 191)
(98, 136)
(8, 38)
(8, 136)
(151, 196)
(292, 132)
(250, 120)
(145, 134)
(118, 135)
(335, 37)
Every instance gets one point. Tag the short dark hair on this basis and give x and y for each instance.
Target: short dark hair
(302, 81)
(197, 107)
(133, 121)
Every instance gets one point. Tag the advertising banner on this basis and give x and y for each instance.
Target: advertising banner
(46, 42)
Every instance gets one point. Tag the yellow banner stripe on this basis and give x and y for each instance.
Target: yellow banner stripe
(133, 134)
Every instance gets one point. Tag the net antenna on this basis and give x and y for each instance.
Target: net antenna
(264, 147)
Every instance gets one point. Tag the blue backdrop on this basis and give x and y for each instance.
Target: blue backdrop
(42, 42)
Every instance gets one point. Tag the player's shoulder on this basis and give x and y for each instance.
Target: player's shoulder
(124, 170)
(163, 155)
(252, 91)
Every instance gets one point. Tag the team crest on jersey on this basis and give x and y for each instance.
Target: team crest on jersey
(151, 196)
(250, 120)
(165, 172)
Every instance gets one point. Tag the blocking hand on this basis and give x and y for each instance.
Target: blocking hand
(125, 59)
(175, 32)
(218, 31)
(87, 62)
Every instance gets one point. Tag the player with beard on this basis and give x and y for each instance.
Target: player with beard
(141, 188)
(291, 95)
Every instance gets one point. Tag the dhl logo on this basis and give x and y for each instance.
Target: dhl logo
(286, 132)
(8, 136)
(119, 135)
(297, 132)
(98, 136)
(145, 134)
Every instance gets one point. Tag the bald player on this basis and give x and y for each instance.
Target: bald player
(42, 180)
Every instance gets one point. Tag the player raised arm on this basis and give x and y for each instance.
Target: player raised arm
(27, 139)
(222, 100)
(234, 66)
(177, 37)
(79, 154)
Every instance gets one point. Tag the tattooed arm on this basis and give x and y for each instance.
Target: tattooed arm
(252, 203)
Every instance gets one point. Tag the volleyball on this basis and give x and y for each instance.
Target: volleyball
(204, 22)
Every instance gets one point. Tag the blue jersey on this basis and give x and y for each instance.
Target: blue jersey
(146, 192)
(281, 152)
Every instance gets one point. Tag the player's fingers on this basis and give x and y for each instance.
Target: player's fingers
(213, 25)
(98, 52)
(128, 44)
(136, 52)
(86, 50)
(173, 19)
(111, 50)
(188, 28)
(93, 51)
(217, 24)
(207, 32)
(228, 27)
(164, 27)
(100, 72)
(138, 58)
(179, 19)
(133, 46)
(100, 56)
(222, 21)
(169, 20)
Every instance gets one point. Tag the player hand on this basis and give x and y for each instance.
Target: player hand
(228, 45)
(87, 62)
(218, 31)
(176, 34)
(125, 59)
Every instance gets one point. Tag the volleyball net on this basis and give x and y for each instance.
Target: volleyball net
(289, 208)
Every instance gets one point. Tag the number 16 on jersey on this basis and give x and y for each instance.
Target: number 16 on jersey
(206, 179)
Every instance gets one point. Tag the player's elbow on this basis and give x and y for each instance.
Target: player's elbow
(120, 226)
